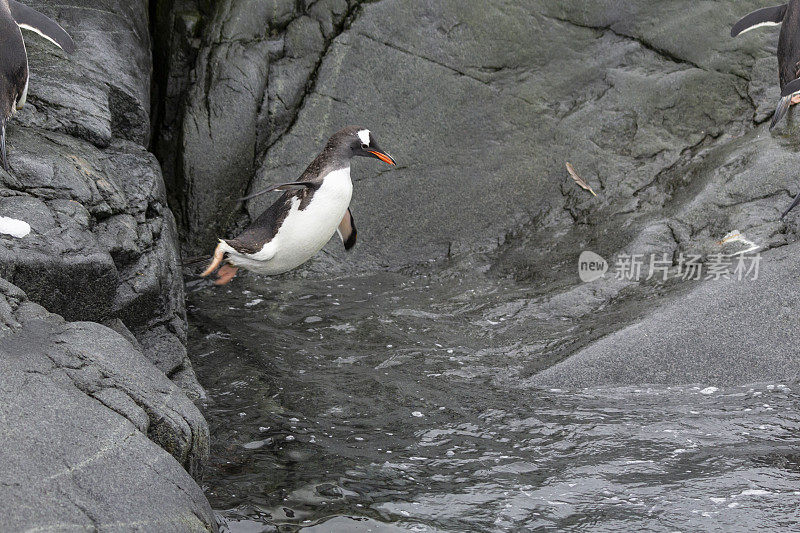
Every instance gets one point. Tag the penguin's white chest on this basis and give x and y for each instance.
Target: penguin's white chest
(304, 232)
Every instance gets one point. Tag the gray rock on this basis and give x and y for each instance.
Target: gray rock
(444, 84)
(103, 90)
(480, 111)
(104, 243)
(726, 332)
(95, 436)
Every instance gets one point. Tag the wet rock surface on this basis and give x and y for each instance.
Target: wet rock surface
(724, 332)
(95, 437)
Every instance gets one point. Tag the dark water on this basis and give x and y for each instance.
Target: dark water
(398, 403)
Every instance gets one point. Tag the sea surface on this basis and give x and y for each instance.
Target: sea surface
(399, 402)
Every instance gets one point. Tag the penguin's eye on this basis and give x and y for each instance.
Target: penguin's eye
(364, 146)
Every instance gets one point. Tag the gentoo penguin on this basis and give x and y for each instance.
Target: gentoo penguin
(306, 215)
(14, 57)
(787, 15)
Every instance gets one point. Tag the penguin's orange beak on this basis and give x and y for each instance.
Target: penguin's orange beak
(386, 158)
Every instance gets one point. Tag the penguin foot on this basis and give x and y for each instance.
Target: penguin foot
(225, 274)
(796, 99)
(216, 260)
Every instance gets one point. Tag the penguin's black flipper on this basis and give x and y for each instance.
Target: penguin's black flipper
(280, 187)
(769, 16)
(347, 230)
(795, 203)
(791, 88)
(30, 19)
(780, 111)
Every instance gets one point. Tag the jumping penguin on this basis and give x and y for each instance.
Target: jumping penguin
(14, 74)
(788, 16)
(305, 217)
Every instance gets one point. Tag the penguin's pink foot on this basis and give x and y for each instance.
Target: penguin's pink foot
(225, 274)
(796, 99)
(215, 262)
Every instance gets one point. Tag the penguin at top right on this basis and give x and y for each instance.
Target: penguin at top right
(788, 17)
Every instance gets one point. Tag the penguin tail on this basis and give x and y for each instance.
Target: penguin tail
(216, 260)
(790, 88)
(780, 111)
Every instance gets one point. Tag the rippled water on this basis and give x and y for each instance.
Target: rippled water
(397, 403)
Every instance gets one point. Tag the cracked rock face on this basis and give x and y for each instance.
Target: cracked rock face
(84, 413)
(482, 104)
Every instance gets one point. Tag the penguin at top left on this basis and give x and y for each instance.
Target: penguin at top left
(14, 58)
(788, 17)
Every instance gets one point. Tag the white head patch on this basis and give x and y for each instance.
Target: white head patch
(364, 136)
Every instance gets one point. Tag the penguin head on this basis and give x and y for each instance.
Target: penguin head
(357, 141)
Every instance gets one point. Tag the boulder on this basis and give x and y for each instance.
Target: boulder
(95, 437)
